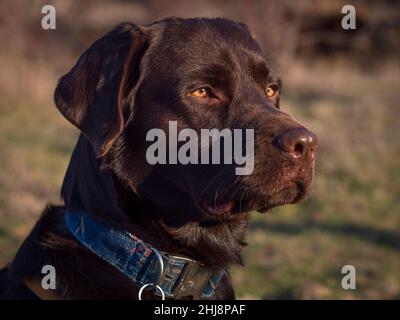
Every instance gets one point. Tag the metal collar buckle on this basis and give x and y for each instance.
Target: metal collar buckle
(189, 284)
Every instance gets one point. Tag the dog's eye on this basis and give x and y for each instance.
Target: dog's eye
(201, 93)
(270, 92)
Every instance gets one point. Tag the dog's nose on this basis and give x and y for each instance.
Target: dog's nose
(299, 143)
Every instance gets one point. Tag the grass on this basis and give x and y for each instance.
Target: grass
(36, 145)
(353, 216)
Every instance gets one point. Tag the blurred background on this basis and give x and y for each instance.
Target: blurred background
(343, 84)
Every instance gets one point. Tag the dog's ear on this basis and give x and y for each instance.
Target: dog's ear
(94, 94)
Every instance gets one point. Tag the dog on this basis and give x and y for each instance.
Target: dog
(129, 229)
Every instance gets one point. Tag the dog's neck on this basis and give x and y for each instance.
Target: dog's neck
(216, 245)
(101, 194)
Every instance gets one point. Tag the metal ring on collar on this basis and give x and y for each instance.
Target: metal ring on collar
(155, 286)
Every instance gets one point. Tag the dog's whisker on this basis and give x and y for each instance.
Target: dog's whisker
(216, 195)
(241, 199)
(211, 181)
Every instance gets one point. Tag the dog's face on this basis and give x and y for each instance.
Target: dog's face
(203, 74)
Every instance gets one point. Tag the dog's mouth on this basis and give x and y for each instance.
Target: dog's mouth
(288, 195)
(291, 193)
(217, 209)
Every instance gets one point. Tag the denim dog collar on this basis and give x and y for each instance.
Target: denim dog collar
(177, 276)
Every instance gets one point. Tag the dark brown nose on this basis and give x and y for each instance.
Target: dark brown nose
(299, 143)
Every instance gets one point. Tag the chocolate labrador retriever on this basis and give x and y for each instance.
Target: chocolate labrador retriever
(133, 229)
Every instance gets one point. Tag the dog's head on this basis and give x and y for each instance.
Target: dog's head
(198, 74)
